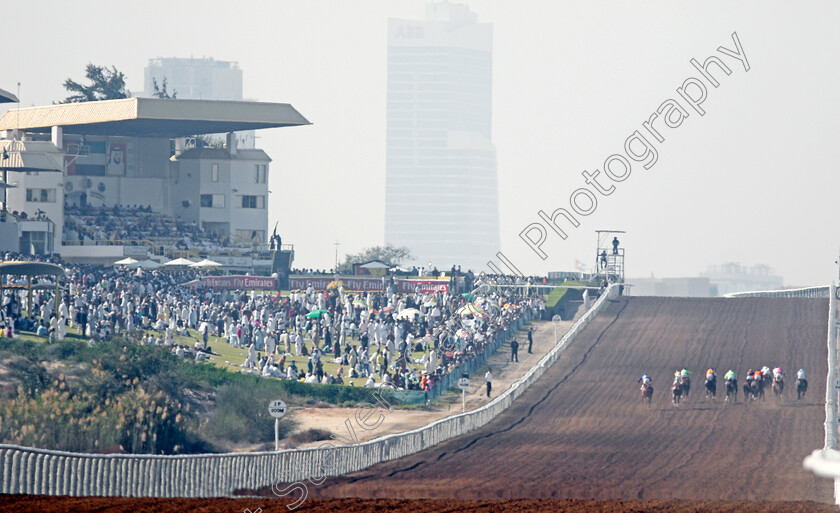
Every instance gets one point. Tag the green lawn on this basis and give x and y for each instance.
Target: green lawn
(230, 358)
(556, 295)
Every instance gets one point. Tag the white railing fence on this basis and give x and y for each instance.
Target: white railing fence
(806, 292)
(825, 462)
(43, 472)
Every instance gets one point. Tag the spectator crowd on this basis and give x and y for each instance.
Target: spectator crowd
(408, 340)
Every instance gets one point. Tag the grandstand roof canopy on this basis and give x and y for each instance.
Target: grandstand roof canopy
(7, 97)
(25, 268)
(153, 117)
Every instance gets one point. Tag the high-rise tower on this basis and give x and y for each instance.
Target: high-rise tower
(441, 196)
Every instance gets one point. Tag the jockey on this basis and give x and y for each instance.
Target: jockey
(645, 379)
(800, 374)
(711, 375)
(765, 372)
(685, 373)
(677, 377)
(778, 374)
(730, 375)
(749, 376)
(758, 376)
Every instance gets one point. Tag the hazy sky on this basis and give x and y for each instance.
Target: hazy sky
(754, 180)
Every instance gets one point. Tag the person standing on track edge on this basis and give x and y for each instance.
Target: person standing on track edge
(530, 339)
(488, 379)
(514, 350)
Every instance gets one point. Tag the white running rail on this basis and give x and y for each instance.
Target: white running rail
(825, 462)
(27, 470)
(806, 292)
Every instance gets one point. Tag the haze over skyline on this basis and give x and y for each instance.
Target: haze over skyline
(752, 180)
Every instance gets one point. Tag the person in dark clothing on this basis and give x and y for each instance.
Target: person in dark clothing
(514, 350)
(530, 339)
(615, 245)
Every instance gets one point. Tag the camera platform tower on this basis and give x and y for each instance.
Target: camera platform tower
(609, 256)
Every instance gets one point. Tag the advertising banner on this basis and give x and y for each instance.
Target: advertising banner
(351, 283)
(239, 282)
(425, 286)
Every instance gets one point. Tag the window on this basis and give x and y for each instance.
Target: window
(260, 173)
(253, 201)
(213, 200)
(40, 195)
(214, 172)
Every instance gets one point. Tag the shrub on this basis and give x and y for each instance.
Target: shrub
(310, 435)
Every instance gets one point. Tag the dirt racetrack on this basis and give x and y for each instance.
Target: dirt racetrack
(581, 432)
(40, 504)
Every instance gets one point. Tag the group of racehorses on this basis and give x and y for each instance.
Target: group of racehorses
(753, 388)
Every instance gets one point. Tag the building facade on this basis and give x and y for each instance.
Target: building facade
(441, 198)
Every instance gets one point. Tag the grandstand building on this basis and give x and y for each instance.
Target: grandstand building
(97, 181)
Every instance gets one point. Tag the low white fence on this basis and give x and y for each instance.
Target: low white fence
(42, 472)
(806, 292)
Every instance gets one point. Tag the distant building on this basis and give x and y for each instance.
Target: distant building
(734, 277)
(195, 79)
(198, 79)
(671, 287)
(441, 193)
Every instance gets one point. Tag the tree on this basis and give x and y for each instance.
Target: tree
(160, 91)
(389, 254)
(106, 84)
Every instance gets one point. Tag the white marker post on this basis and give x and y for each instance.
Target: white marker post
(277, 409)
(556, 320)
(464, 384)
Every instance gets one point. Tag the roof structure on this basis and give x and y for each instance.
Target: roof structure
(7, 97)
(223, 154)
(153, 117)
(31, 269)
(30, 156)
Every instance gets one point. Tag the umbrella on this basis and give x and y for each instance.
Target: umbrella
(361, 303)
(431, 302)
(408, 313)
(469, 296)
(126, 261)
(178, 262)
(388, 309)
(148, 264)
(316, 313)
(206, 263)
(469, 309)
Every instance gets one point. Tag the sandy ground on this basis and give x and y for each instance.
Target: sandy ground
(398, 420)
(26, 503)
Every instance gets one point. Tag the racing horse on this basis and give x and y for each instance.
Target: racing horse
(677, 392)
(778, 387)
(756, 390)
(731, 390)
(711, 388)
(801, 388)
(647, 393)
(761, 384)
(685, 384)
